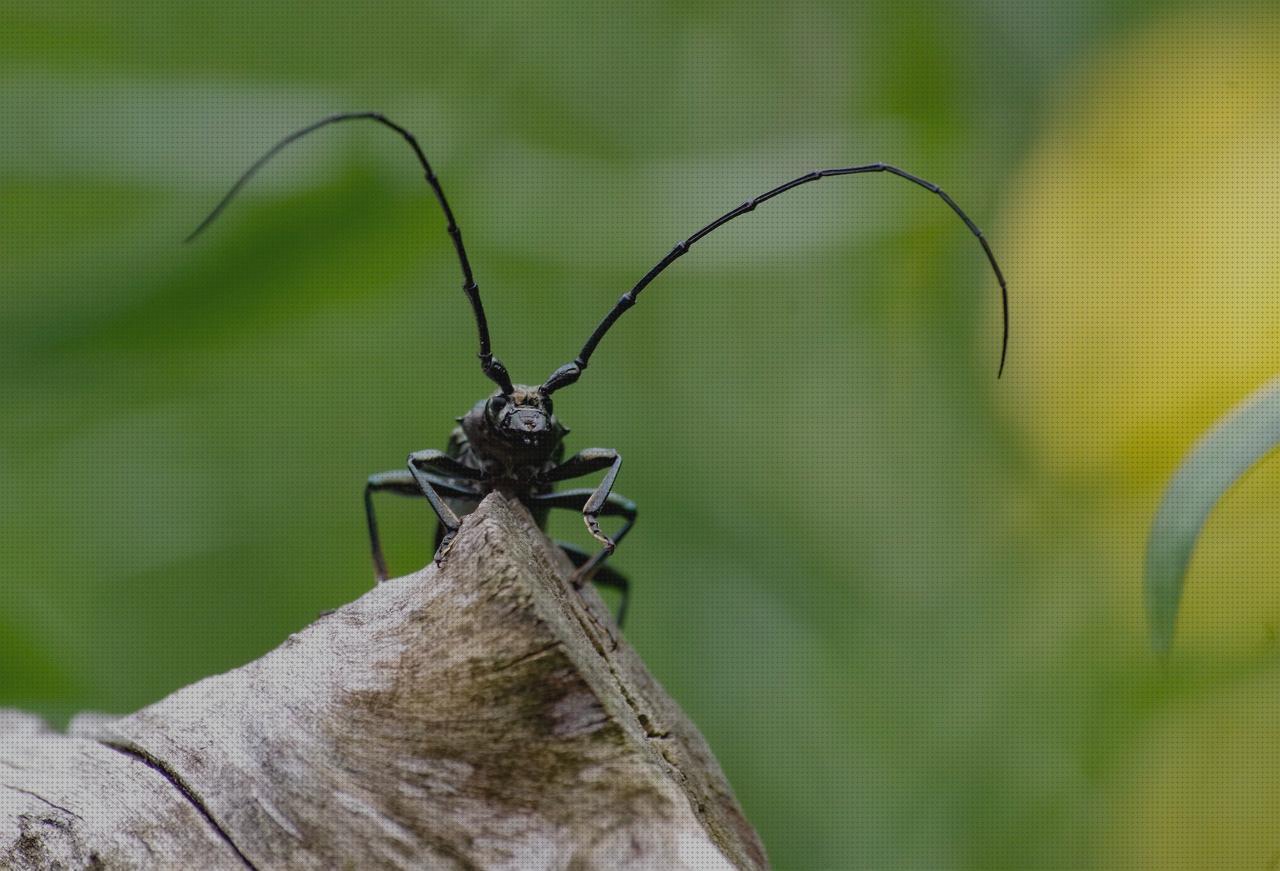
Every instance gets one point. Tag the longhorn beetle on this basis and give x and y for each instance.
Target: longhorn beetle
(512, 441)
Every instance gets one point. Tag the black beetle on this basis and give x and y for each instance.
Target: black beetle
(511, 441)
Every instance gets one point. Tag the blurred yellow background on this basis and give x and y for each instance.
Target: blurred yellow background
(1145, 230)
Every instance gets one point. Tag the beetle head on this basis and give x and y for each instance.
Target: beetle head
(523, 417)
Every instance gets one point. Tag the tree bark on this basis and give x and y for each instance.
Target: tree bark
(482, 714)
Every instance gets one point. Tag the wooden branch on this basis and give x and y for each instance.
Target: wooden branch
(480, 715)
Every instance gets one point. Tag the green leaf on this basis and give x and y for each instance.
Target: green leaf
(1233, 446)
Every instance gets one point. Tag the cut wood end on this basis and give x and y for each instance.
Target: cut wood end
(483, 713)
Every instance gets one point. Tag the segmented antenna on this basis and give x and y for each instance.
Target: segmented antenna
(491, 365)
(570, 372)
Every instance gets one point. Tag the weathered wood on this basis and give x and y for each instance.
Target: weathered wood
(482, 714)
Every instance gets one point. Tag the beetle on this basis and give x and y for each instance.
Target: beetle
(511, 441)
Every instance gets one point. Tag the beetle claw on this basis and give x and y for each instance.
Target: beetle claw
(446, 544)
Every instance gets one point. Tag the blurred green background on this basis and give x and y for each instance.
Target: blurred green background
(900, 598)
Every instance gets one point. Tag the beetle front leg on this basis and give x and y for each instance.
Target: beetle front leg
(584, 463)
(615, 505)
(422, 464)
(442, 465)
(577, 500)
(403, 483)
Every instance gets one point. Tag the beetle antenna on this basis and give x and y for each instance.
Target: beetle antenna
(491, 365)
(570, 372)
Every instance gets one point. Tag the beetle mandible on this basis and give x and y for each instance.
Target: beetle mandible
(512, 441)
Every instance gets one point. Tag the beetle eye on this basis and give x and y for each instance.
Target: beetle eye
(498, 403)
(546, 403)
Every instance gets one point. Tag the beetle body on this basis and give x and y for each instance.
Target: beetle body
(512, 443)
(515, 470)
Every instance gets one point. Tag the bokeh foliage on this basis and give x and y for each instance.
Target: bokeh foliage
(901, 599)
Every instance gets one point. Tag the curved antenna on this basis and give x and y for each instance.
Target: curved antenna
(570, 372)
(491, 365)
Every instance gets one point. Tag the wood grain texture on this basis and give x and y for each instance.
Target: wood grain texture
(482, 714)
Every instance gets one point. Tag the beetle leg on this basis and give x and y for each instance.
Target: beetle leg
(613, 505)
(398, 481)
(414, 482)
(441, 464)
(604, 575)
(403, 483)
(584, 463)
(422, 464)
